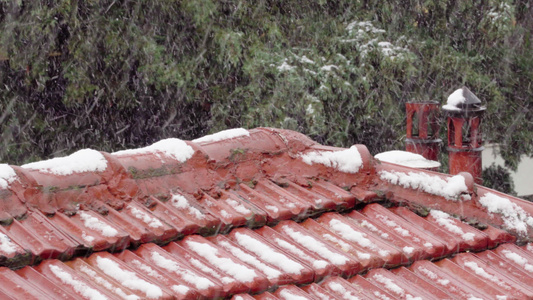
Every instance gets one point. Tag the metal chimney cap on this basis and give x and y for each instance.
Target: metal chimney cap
(463, 99)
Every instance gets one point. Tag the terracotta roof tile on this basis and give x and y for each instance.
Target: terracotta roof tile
(247, 218)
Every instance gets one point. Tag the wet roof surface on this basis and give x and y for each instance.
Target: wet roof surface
(266, 214)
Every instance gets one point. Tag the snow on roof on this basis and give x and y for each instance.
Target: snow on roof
(472, 265)
(348, 160)
(337, 287)
(271, 273)
(180, 202)
(79, 286)
(389, 285)
(240, 272)
(349, 234)
(316, 263)
(315, 246)
(520, 260)
(190, 277)
(6, 245)
(7, 175)
(145, 217)
(446, 221)
(269, 254)
(451, 188)
(97, 225)
(454, 100)
(407, 159)
(85, 160)
(223, 135)
(128, 278)
(173, 148)
(514, 216)
(296, 255)
(105, 283)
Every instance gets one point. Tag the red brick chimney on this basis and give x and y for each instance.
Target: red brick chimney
(423, 129)
(464, 113)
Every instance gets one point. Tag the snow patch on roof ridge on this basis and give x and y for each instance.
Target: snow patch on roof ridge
(223, 135)
(407, 159)
(7, 175)
(454, 100)
(127, 278)
(79, 286)
(172, 148)
(451, 188)
(446, 221)
(348, 160)
(85, 160)
(514, 217)
(210, 253)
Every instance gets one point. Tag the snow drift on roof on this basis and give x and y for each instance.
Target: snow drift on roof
(514, 217)
(348, 160)
(223, 135)
(173, 148)
(451, 188)
(407, 159)
(85, 160)
(7, 175)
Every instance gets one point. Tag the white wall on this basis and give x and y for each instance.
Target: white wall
(522, 178)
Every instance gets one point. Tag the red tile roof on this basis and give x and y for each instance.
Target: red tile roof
(265, 214)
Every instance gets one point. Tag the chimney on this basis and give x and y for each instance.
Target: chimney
(464, 113)
(423, 129)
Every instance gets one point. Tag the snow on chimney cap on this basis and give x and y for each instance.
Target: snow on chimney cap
(462, 98)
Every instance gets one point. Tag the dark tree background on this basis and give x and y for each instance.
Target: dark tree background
(119, 74)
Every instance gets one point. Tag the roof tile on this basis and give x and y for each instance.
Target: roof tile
(318, 291)
(381, 253)
(247, 216)
(421, 282)
(492, 276)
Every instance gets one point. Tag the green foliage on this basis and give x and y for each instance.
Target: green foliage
(498, 178)
(120, 74)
